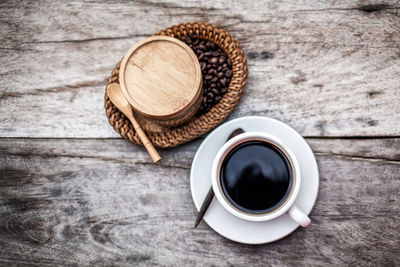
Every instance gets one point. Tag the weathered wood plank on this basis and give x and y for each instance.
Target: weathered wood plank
(327, 69)
(100, 202)
(58, 21)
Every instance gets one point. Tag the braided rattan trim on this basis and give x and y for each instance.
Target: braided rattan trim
(206, 122)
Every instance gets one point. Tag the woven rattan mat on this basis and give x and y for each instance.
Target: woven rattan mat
(200, 125)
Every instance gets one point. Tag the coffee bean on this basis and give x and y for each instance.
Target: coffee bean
(222, 83)
(203, 65)
(228, 73)
(213, 60)
(210, 45)
(212, 71)
(215, 67)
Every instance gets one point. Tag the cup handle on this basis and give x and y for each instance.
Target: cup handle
(297, 215)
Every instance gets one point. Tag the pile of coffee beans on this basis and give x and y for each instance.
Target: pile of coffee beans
(216, 68)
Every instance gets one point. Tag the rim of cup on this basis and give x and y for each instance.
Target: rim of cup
(215, 176)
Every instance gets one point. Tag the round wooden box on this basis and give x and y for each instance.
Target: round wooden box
(161, 79)
(198, 125)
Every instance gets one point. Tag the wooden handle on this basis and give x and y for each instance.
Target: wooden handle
(145, 140)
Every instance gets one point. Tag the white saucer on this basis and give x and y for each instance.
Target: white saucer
(230, 226)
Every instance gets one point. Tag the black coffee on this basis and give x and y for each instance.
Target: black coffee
(256, 177)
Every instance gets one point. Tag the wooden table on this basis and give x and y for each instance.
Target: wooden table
(72, 192)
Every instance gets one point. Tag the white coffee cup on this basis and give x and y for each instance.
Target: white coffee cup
(287, 205)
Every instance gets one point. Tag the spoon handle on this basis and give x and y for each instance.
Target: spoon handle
(210, 194)
(145, 140)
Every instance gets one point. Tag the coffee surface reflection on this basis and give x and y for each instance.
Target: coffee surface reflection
(256, 177)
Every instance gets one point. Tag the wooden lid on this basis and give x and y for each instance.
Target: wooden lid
(160, 77)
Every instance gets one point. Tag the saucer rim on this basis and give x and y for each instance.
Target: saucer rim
(195, 158)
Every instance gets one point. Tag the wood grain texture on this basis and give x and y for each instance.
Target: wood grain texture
(327, 69)
(161, 77)
(76, 194)
(100, 202)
